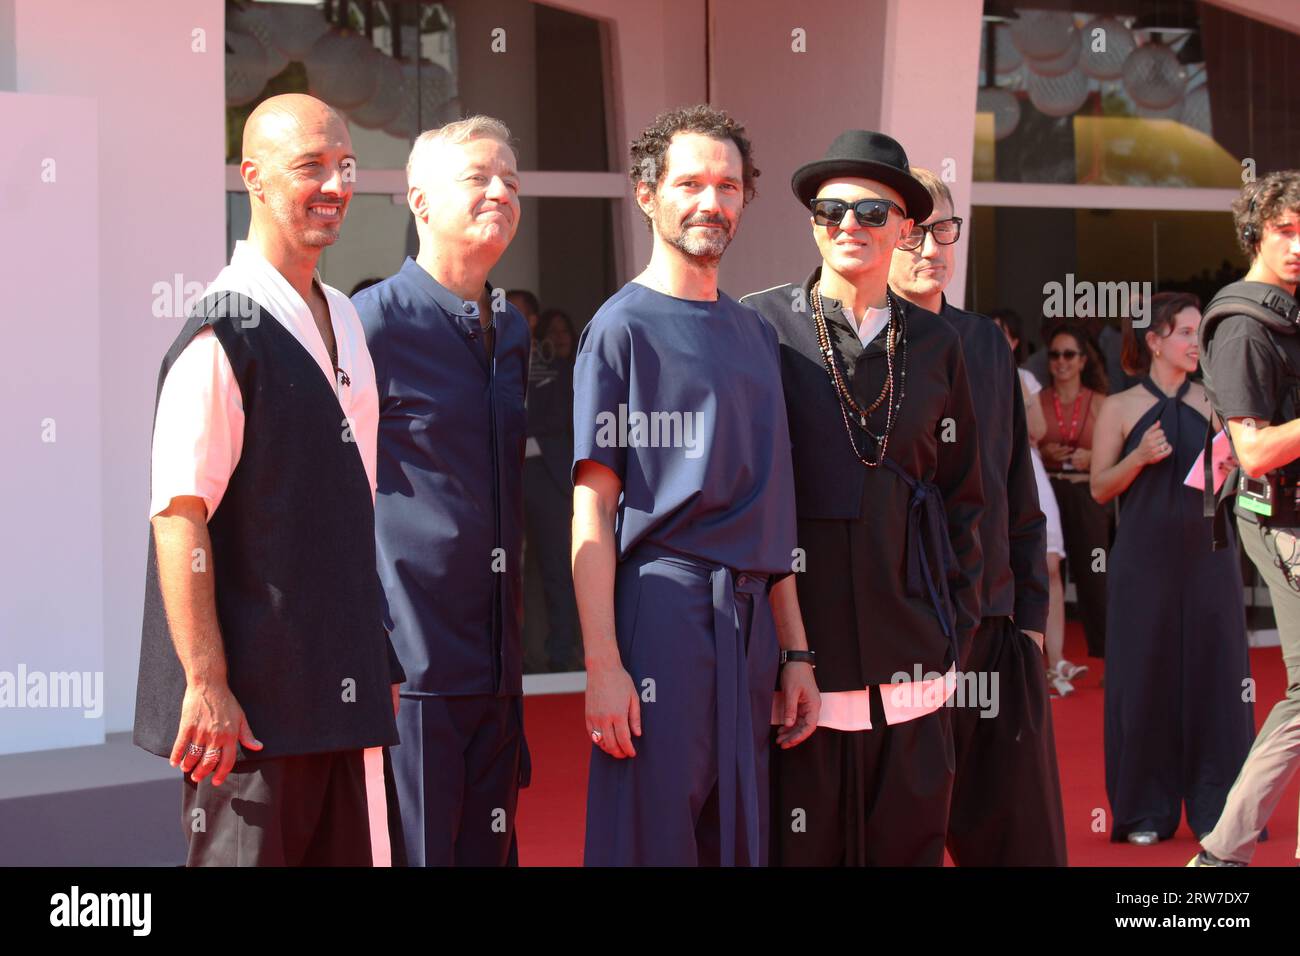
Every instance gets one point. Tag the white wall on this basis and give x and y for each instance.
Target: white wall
(793, 105)
(160, 107)
(930, 79)
(50, 509)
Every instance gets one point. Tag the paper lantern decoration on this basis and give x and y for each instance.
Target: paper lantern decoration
(246, 68)
(425, 99)
(1057, 95)
(257, 21)
(340, 70)
(1118, 43)
(1043, 34)
(1196, 110)
(295, 28)
(1057, 65)
(1005, 107)
(1153, 77)
(1006, 58)
(382, 107)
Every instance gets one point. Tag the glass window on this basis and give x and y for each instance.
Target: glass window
(1016, 252)
(1149, 94)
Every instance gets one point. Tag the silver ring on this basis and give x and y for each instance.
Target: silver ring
(596, 736)
(194, 750)
(209, 754)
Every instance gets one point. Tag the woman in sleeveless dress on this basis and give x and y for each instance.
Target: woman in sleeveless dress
(1176, 725)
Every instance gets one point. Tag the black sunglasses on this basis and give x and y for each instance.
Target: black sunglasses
(1070, 354)
(868, 212)
(945, 232)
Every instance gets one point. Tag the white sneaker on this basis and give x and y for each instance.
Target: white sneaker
(1061, 686)
(1070, 671)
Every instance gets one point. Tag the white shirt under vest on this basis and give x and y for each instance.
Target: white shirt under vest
(199, 430)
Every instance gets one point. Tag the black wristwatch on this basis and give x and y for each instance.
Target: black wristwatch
(799, 657)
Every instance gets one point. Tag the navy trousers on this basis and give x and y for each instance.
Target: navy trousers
(455, 778)
(700, 645)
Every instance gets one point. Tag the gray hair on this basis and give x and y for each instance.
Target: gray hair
(461, 131)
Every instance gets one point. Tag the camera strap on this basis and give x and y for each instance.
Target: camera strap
(1279, 313)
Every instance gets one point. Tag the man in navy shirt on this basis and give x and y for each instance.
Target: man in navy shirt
(451, 364)
(683, 528)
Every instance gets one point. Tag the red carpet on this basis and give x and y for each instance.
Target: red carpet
(553, 809)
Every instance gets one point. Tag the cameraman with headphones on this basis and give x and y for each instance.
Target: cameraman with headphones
(1250, 354)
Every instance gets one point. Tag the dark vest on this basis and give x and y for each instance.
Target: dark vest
(293, 559)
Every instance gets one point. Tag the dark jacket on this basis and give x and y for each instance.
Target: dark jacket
(1013, 532)
(862, 614)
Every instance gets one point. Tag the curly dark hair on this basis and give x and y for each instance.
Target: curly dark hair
(1263, 201)
(649, 149)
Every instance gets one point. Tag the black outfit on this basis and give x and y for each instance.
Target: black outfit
(1006, 799)
(869, 540)
(300, 624)
(1177, 728)
(548, 509)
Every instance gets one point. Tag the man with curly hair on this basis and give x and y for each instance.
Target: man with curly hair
(684, 528)
(1250, 354)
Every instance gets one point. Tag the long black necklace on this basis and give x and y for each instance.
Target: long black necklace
(891, 394)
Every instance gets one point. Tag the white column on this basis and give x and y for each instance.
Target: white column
(930, 79)
(50, 603)
(159, 87)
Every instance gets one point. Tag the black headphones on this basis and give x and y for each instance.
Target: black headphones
(1249, 233)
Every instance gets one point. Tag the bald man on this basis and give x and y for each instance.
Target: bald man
(265, 667)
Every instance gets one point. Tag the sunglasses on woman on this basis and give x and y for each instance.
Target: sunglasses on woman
(868, 212)
(1068, 354)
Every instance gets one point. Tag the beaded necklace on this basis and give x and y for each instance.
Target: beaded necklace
(895, 333)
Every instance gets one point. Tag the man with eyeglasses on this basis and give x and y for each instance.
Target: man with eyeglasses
(1006, 800)
(888, 500)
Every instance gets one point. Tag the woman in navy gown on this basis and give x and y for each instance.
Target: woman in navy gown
(1178, 720)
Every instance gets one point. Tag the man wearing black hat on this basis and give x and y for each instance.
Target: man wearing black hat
(1006, 800)
(888, 500)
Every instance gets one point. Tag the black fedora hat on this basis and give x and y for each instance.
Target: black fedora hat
(865, 154)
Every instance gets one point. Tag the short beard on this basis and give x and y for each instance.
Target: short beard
(707, 249)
